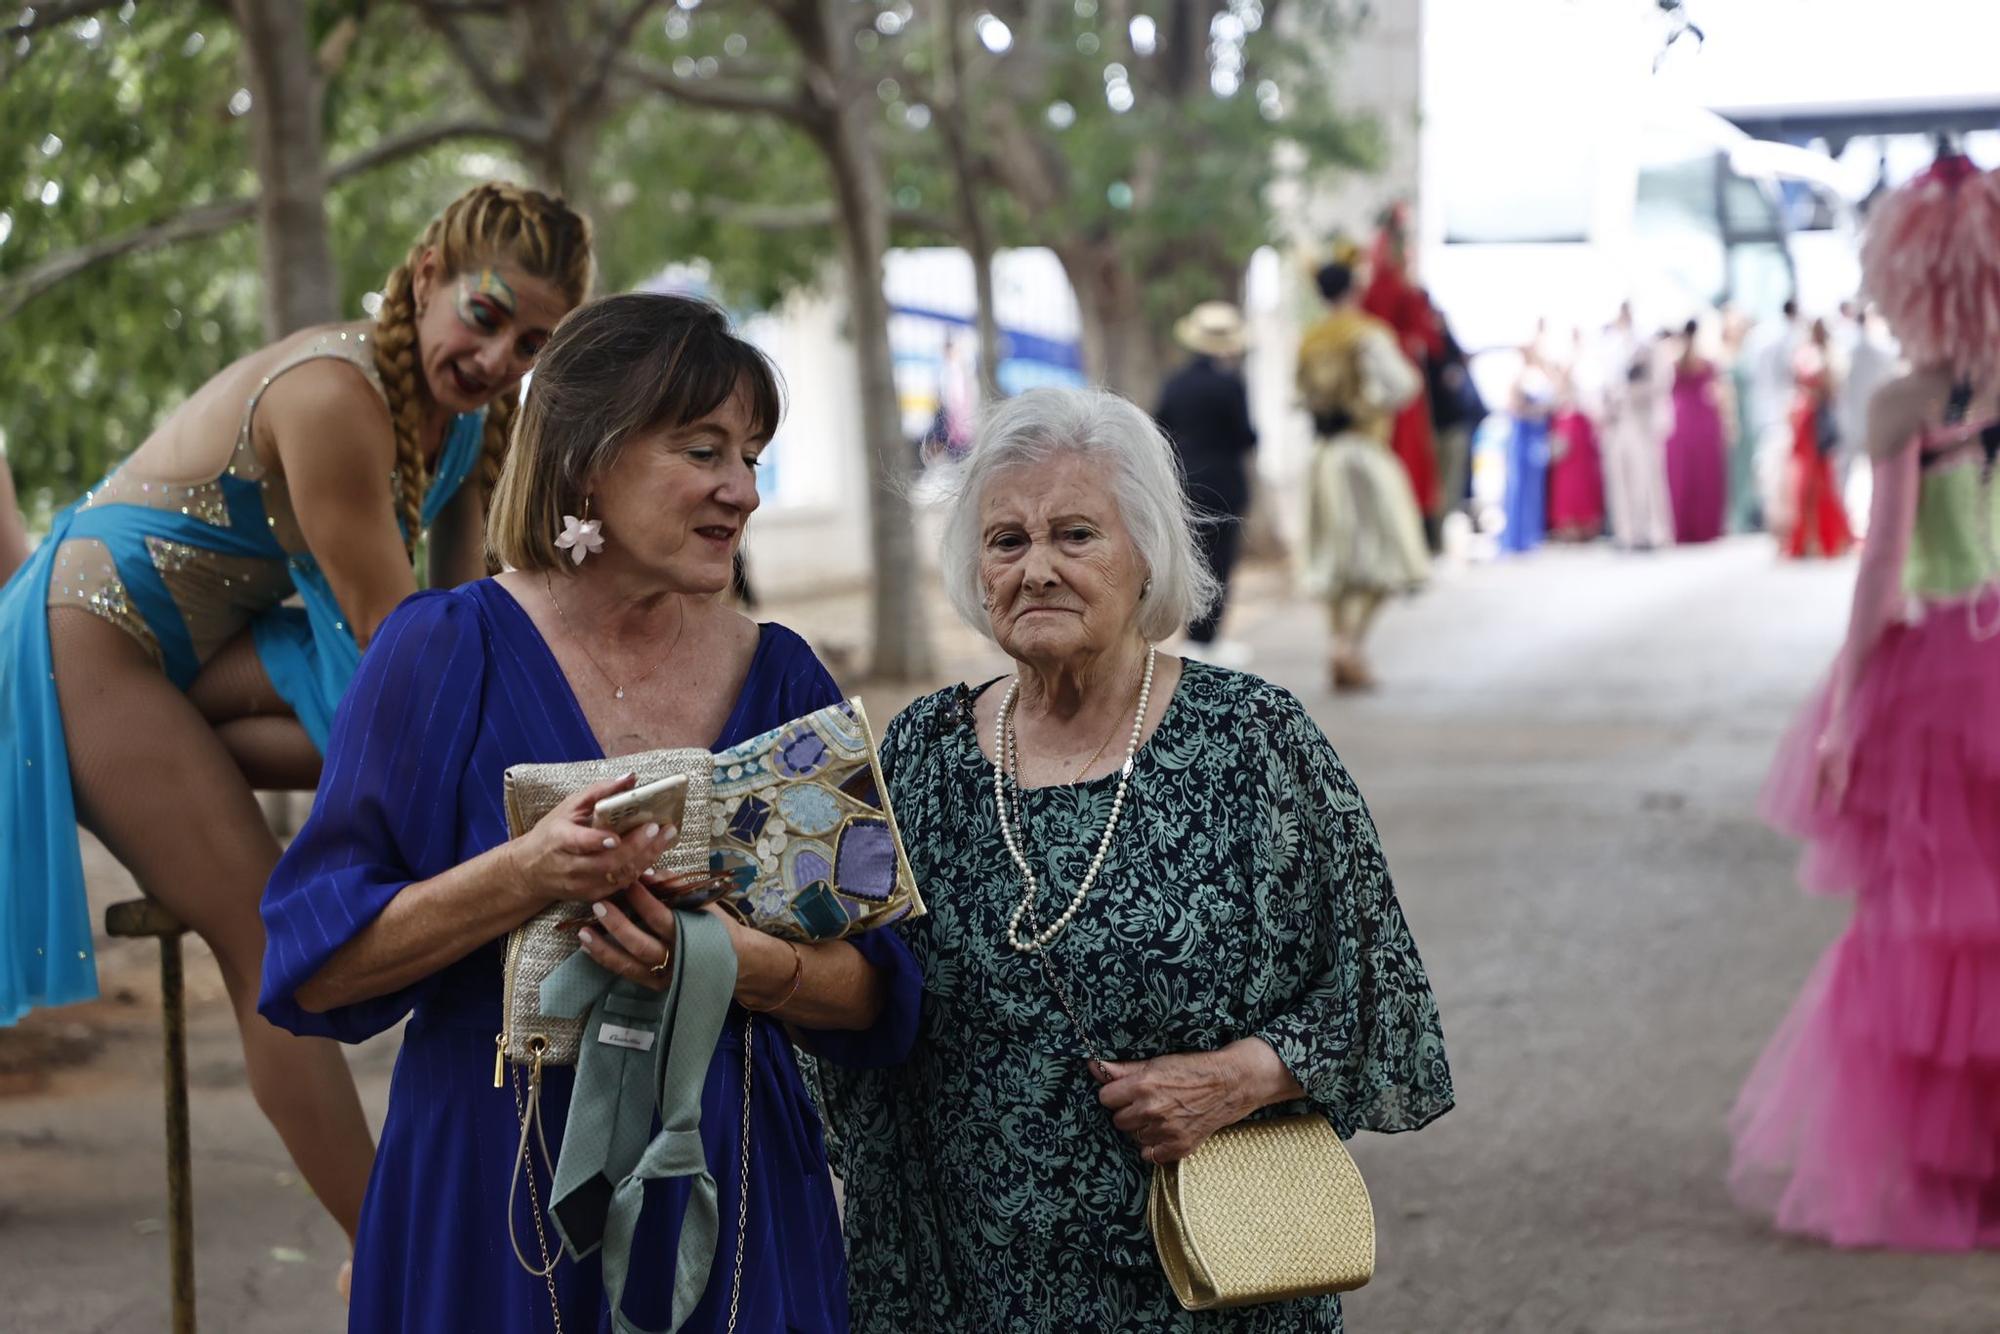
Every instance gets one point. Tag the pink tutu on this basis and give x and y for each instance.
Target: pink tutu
(1873, 1118)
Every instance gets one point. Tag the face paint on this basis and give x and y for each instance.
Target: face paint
(484, 300)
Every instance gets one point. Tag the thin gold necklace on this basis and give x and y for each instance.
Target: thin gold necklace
(617, 691)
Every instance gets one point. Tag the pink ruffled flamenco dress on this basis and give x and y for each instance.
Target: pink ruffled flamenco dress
(1873, 1118)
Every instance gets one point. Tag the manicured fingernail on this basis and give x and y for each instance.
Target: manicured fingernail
(597, 910)
(649, 831)
(585, 936)
(670, 831)
(610, 842)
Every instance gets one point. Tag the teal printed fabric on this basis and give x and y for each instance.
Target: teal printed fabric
(1245, 894)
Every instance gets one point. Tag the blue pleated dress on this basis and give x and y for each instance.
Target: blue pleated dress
(456, 687)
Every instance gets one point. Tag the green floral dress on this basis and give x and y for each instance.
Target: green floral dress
(1244, 894)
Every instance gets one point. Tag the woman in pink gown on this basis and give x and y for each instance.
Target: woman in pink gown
(1873, 1118)
(1697, 453)
(1576, 475)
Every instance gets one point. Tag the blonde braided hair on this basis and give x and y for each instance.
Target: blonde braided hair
(491, 223)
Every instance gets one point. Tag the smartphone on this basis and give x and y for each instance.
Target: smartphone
(663, 803)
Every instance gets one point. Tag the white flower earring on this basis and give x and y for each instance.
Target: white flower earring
(581, 537)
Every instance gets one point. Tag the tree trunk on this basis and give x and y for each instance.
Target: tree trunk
(1121, 349)
(286, 90)
(560, 162)
(902, 650)
(975, 232)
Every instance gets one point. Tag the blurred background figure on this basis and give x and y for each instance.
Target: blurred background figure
(1531, 405)
(1632, 387)
(1772, 347)
(1364, 538)
(1871, 1119)
(1868, 360)
(1819, 517)
(1746, 515)
(1456, 411)
(1576, 471)
(1205, 411)
(1392, 298)
(1697, 476)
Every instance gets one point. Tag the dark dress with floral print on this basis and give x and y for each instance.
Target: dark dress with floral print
(1244, 894)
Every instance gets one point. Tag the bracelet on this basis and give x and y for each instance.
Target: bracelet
(798, 976)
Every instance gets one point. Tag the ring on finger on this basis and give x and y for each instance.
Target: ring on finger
(660, 969)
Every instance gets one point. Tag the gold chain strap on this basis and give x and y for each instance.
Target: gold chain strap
(742, 1195)
(535, 1204)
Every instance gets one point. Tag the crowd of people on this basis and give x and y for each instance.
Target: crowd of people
(998, 1075)
(1723, 425)
(1090, 995)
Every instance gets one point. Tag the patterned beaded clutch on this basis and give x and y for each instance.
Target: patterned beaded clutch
(799, 818)
(1263, 1211)
(794, 827)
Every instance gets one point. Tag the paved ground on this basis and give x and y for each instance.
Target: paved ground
(1563, 766)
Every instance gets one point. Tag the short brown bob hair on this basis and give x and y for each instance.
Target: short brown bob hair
(615, 368)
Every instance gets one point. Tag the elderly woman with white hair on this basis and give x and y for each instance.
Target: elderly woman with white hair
(1159, 863)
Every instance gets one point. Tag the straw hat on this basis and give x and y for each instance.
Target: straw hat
(1214, 329)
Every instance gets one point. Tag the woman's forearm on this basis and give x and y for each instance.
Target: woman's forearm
(1260, 1076)
(429, 925)
(837, 987)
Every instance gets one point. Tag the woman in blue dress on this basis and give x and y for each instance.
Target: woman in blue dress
(618, 517)
(150, 675)
(1527, 501)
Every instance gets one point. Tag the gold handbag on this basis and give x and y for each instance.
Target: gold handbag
(1263, 1211)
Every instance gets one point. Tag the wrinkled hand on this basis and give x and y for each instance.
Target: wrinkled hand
(563, 857)
(641, 949)
(1171, 1104)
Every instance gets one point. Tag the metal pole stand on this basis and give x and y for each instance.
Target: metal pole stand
(134, 919)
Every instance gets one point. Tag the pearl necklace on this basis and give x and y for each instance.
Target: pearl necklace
(1006, 765)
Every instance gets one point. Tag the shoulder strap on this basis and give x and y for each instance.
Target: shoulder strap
(463, 445)
(357, 350)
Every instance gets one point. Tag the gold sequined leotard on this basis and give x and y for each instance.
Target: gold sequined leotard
(180, 596)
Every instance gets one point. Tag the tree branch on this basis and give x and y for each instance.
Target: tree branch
(715, 94)
(615, 41)
(209, 219)
(792, 217)
(443, 21)
(405, 143)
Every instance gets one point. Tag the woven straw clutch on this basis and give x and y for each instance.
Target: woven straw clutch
(1263, 1211)
(537, 946)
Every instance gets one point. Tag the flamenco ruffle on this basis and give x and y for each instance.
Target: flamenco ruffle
(1916, 833)
(1873, 1118)
(1866, 1123)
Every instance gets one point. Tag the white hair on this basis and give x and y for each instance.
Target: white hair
(1145, 477)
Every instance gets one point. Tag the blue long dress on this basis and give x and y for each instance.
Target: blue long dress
(456, 687)
(1527, 502)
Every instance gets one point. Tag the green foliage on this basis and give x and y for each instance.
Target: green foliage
(105, 128)
(134, 116)
(1177, 174)
(141, 107)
